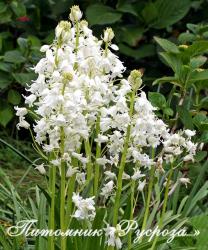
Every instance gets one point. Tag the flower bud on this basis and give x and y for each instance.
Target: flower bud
(41, 169)
(135, 78)
(108, 35)
(75, 14)
(63, 29)
(183, 47)
(67, 76)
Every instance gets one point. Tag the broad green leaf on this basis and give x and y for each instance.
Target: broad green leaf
(168, 111)
(3, 7)
(185, 117)
(22, 42)
(196, 48)
(14, 56)
(186, 37)
(18, 8)
(157, 99)
(170, 12)
(167, 45)
(24, 78)
(141, 52)
(5, 17)
(198, 61)
(7, 67)
(14, 97)
(173, 61)
(127, 8)
(200, 121)
(199, 75)
(6, 115)
(167, 79)
(130, 34)
(150, 13)
(102, 14)
(5, 80)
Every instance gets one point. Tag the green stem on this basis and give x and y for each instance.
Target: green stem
(98, 154)
(63, 185)
(123, 161)
(164, 206)
(150, 187)
(89, 164)
(52, 183)
(131, 213)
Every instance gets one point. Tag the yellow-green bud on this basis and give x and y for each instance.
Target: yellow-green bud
(199, 70)
(108, 35)
(135, 78)
(183, 47)
(84, 23)
(67, 76)
(75, 14)
(62, 27)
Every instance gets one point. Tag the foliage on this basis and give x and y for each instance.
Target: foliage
(166, 38)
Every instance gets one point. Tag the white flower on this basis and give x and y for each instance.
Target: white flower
(112, 234)
(101, 139)
(137, 175)
(85, 207)
(185, 181)
(141, 185)
(108, 35)
(75, 14)
(81, 178)
(41, 169)
(110, 175)
(21, 111)
(106, 191)
(71, 171)
(188, 157)
(189, 132)
(125, 176)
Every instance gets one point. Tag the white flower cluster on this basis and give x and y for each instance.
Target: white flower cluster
(85, 207)
(79, 83)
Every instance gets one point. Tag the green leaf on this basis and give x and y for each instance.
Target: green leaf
(14, 97)
(14, 56)
(168, 111)
(6, 115)
(24, 78)
(199, 75)
(18, 8)
(22, 42)
(173, 61)
(186, 37)
(170, 12)
(150, 13)
(157, 99)
(141, 52)
(5, 80)
(196, 48)
(7, 67)
(198, 61)
(167, 45)
(130, 34)
(3, 7)
(201, 121)
(5, 17)
(167, 79)
(102, 14)
(199, 222)
(127, 8)
(185, 117)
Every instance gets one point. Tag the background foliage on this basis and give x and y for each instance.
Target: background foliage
(168, 40)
